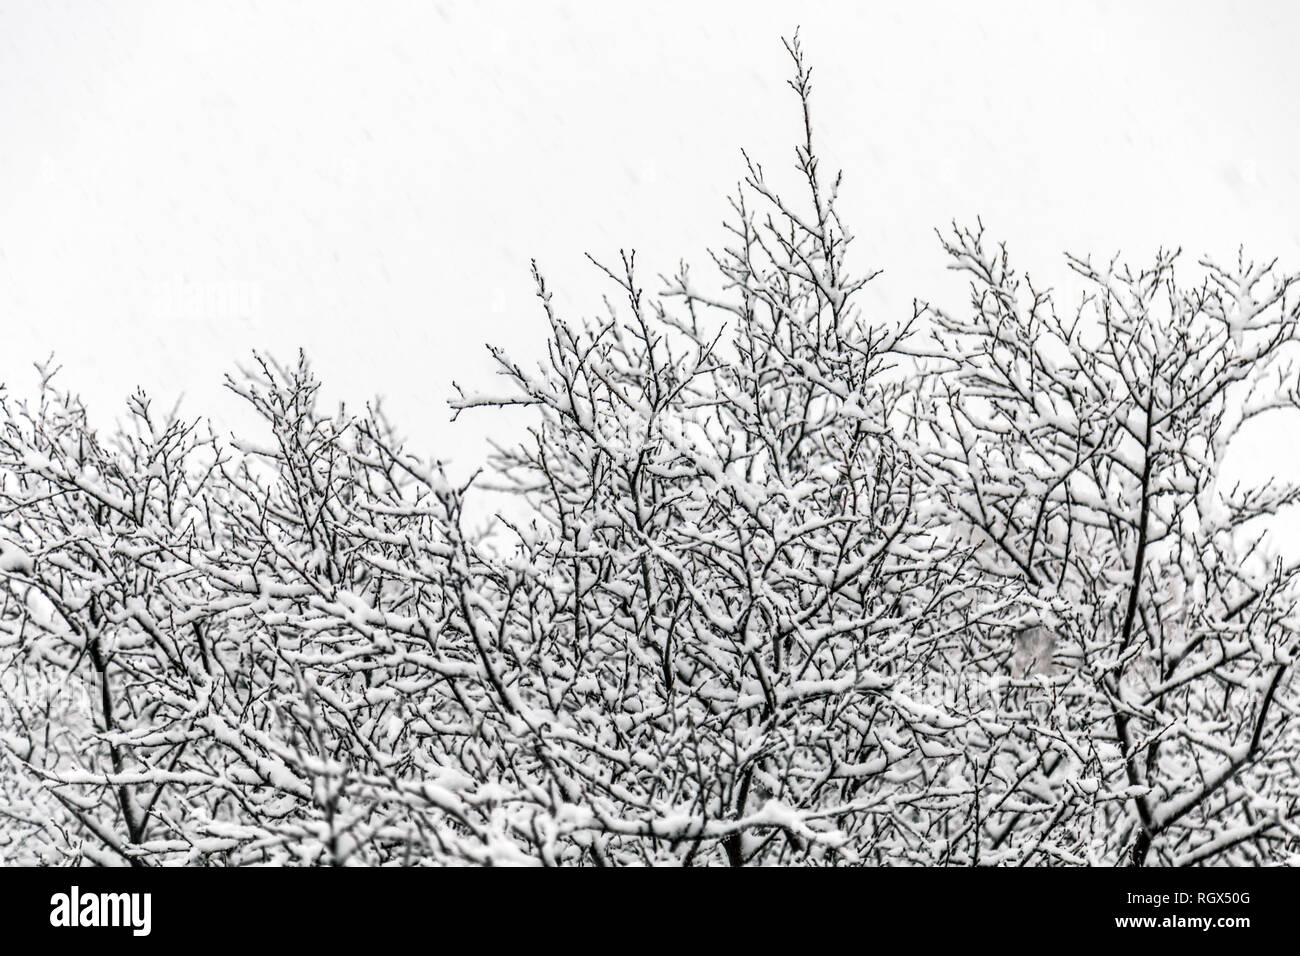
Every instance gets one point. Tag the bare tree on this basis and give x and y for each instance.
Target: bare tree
(1083, 454)
(791, 585)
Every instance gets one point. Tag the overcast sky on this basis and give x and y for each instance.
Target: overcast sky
(181, 183)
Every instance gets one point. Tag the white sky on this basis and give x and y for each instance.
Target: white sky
(368, 181)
